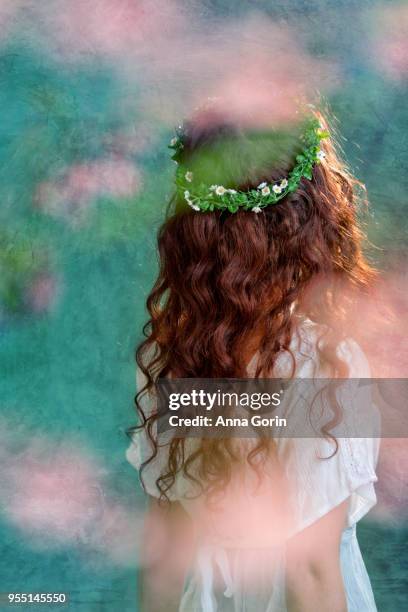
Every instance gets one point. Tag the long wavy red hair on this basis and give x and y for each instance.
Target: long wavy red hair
(232, 284)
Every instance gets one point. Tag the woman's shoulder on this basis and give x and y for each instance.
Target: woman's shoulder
(350, 351)
(310, 335)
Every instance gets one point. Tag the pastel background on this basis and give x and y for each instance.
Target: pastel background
(89, 94)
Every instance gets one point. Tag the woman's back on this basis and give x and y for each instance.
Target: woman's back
(261, 239)
(243, 535)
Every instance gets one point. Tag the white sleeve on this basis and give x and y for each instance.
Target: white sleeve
(324, 479)
(361, 454)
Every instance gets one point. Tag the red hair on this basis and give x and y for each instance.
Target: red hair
(226, 279)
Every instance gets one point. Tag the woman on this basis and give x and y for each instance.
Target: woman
(260, 255)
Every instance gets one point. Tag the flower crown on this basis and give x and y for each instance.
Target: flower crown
(217, 197)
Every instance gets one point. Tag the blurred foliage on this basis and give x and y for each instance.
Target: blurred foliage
(21, 264)
(52, 119)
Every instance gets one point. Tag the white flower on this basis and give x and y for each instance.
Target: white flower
(189, 176)
(277, 189)
(262, 185)
(190, 202)
(213, 187)
(231, 191)
(265, 191)
(320, 155)
(257, 209)
(173, 141)
(283, 184)
(220, 190)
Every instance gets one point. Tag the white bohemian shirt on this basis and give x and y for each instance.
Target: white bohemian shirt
(239, 568)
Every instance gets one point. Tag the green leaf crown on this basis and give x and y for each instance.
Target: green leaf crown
(205, 198)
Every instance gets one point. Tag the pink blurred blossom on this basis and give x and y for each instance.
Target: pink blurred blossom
(376, 318)
(120, 533)
(265, 518)
(57, 495)
(51, 492)
(257, 71)
(83, 183)
(132, 141)
(112, 28)
(379, 321)
(392, 487)
(265, 72)
(8, 11)
(118, 178)
(42, 292)
(389, 50)
(258, 66)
